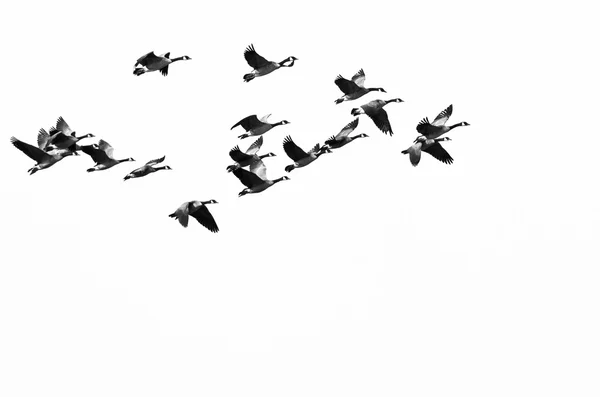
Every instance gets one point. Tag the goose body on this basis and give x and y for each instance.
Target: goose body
(60, 137)
(354, 88)
(377, 113)
(102, 154)
(300, 157)
(256, 179)
(431, 146)
(342, 138)
(198, 210)
(262, 66)
(255, 126)
(438, 127)
(42, 158)
(147, 168)
(244, 159)
(152, 62)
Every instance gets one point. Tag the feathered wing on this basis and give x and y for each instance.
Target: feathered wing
(42, 139)
(248, 179)
(31, 151)
(359, 78)
(381, 120)
(255, 147)
(423, 126)
(98, 155)
(346, 86)
(254, 60)
(437, 151)
(106, 147)
(238, 156)
(248, 123)
(205, 218)
(351, 126)
(292, 150)
(258, 168)
(443, 117)
(164, 71)
(147, 59)
(62, 125)
(315, 149)
(181, 214)
(156, 161)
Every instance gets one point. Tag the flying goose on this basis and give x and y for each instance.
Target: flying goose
(43, 159)
(341, 139)
(300, 157)
(261, 65)
(198, 210)
(375, 111)
(60, 137)
(438, 127)
(147, 168)
(102, 154)
(152, 63)
(254, 126)
(431, 146)
(355, 88)
(256, 180)
(243, 159)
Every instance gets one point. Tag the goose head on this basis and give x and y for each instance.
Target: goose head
(282, 122)
(288, 59)
(210, 202)
(127, 159)
(394, 100)
(271, 154)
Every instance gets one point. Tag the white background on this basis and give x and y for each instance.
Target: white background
(361, 276)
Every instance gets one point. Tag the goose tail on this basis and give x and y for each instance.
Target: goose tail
(289, 168)
(139, 71)
(248, 77)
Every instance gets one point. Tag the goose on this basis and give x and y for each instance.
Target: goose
(261, 66)
(438, 127)
(375, 111)
(153, 63)
(198, 210)
(254, 126)
(355, 88)
(341, 139)
(243, 159)
(43, 159)
(256, 180)
(60, 137)
(431, 146)
(102, 154)
(300, 157)
(147, 168)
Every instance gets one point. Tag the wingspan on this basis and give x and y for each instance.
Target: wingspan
(205, 218)
(381, 120)
(443, 117)
(156, 161)
(254, 60)
(351, 126)
(97, 154)
(437, 151)
(238, 156)
(33, 152)
(346, 86)
(62, 125)
(248, 123)
(249, 179)
(255, 147)
(292, 150)
(147, 59)
(359, 78)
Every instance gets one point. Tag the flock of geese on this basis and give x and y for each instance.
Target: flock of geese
(61, 141)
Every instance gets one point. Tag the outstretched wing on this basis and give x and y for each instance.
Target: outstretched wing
(62, 125)
(165, 71)
(106, 147)
(347, 86)
(292, 150)
(443, 117)
(248, 123)
(359, 78)
(351, 126)
(315, 148)
(205, 218)
(381, 120)
(423, 126)
(97, 154)
(149, 58)
(33, 152)
(437, 151)
(255, 147)
(259, 168)
(254, 60)
(249, 179)
(43, 138)
(156, 161)
(238, 156)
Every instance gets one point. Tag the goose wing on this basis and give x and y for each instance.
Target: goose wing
(43, 138)
(423, 126)
(148, 59)
(443, 117)
(359, 78)
(97, 154)
(255, 147)
(345, 85)
(204, 217)
(292, 150)
(181, 214)
(315, 148)
(254, 60)
(437, 151)
(156, 161)
(102, 144)
(351, 126)
(381, 120)
(62, 126)
(33, 152)
(248, 123)
(238, 156)
(259, 168)
(249, 179)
